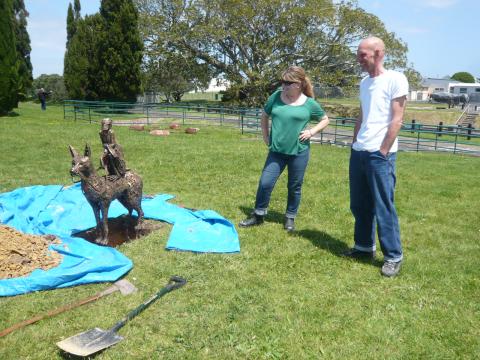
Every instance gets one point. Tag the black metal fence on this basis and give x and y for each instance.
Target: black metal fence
(414, 136)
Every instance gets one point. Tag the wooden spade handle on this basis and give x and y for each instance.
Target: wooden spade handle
(57, 311)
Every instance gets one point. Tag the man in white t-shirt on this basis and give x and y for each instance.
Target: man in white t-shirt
(383, 96)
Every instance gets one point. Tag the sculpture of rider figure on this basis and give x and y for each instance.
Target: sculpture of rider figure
(112, 158)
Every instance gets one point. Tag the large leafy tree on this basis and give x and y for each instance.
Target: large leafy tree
(414, 78)
(53, 83)
(8, 59)
(463, 76)
(251, 42)
(119, 51)
(171, 74)
(22, 43)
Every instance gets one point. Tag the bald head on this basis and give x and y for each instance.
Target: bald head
(373, 43)
(370, 55)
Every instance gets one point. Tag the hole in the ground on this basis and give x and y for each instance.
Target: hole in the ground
(122, 229)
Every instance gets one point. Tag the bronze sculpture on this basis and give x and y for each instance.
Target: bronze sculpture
(100, 191)
(112, 158)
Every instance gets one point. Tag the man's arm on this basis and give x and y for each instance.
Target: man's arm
(265, 128)
(398, 109)
(358, 123)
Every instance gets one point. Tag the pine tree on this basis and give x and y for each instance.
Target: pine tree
(75, 63)
(8, 59)
(77, 7)
(71, 24)
(120, 51)
(80, 64)
(22, 43)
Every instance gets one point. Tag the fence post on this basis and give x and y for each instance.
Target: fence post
(335, 133)
(469, 131)
(418, 140)
(148, 115)
(455, 144)
(413, 125)
(241, 119)
(64, 110)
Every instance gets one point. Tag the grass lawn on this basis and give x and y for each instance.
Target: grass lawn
(283, 296)
(424, 113)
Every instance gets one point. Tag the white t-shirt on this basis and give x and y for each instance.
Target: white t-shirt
(376, 95)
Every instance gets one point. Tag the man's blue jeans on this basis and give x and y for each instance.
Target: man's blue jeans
(372, 187)
(274, 166)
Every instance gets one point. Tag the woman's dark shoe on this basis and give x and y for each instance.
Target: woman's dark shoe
(289, 224)
(253, 220)
(357, 254)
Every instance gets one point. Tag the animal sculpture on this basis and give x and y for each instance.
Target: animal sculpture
(100, 191)
(450, 99)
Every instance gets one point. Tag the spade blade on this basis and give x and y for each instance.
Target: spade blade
(89, 342)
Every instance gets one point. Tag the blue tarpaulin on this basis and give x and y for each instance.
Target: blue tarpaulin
(64, 211)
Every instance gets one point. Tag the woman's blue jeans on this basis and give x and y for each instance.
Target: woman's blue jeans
(372, 187)
(274, 166)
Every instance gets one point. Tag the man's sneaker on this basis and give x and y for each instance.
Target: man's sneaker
(253, 220)
(289, 224)
(391, 268)
(357, 254)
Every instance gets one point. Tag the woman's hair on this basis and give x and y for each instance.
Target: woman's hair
(297, 74)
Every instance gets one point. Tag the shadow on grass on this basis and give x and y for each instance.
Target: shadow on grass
(67, 356)
(318, 238)
(272, 216)
(324, 241)
(10, 114)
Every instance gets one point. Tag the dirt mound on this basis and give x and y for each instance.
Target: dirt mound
(20, 253)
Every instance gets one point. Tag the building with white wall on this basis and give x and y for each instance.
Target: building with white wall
(432, 85)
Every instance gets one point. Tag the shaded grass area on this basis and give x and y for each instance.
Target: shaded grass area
(284, 296)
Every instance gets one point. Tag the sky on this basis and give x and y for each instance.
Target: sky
(441, 34)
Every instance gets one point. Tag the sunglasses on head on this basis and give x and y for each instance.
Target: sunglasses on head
(288, 83)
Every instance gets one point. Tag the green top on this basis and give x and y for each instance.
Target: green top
(288, 121)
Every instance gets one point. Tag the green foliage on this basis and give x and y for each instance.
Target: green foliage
(71, 24)
(172, 74)
(77, 8)
(251, 43)
(283, 296)
(463, 76)
(53, 83)
(414, 78)
(104, 54)
(119, 52)
(9, 64)
(22, 42)
(81, 60)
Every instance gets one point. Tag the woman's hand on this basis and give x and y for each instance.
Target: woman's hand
(305, 135)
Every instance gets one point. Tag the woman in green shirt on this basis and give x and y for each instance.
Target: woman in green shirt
(288, 140)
